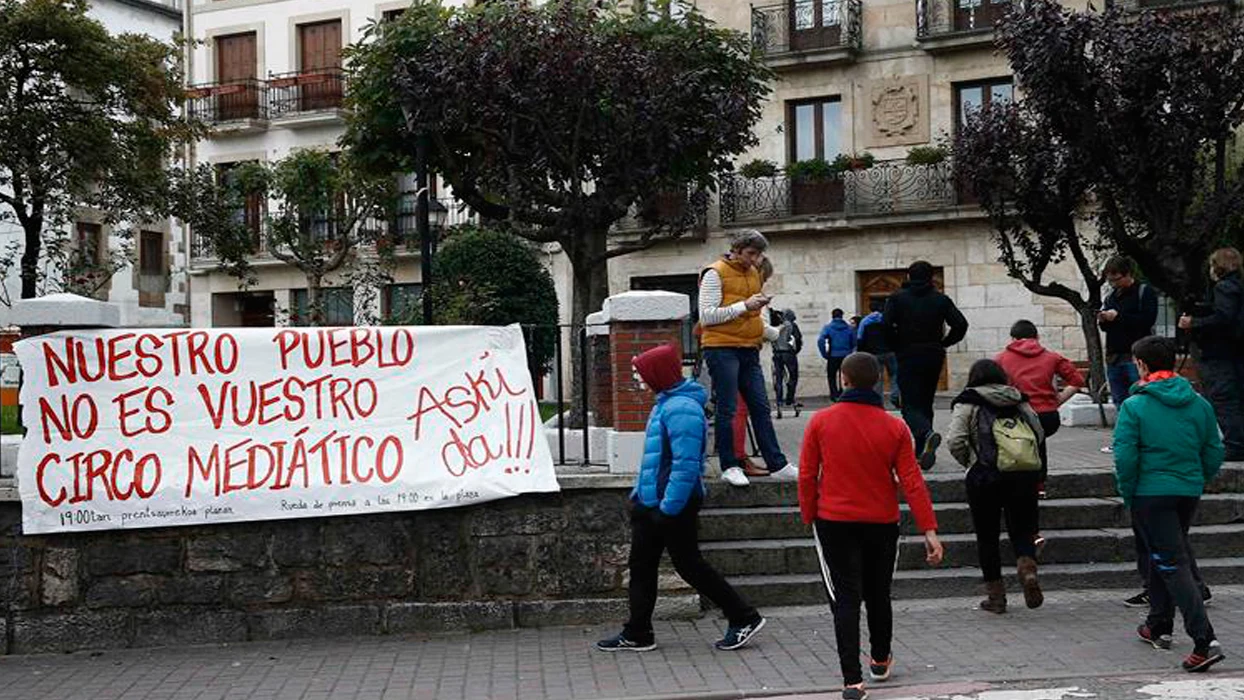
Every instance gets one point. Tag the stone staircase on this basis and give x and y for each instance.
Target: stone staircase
(754, 537)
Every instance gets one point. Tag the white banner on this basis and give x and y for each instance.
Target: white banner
(145, 428)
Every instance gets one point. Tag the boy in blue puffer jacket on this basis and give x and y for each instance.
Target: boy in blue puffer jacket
(666, 504)
(837, 340)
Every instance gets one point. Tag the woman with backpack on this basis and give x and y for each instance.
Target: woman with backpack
(995, 434)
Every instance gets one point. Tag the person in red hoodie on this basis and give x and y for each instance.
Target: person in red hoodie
(1032, 370)
(855, 458)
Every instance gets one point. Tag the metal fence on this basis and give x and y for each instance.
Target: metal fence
(937, 17)
(291, 94)
(573, 446)
(237, 100)
(685, 211)
(806, 25)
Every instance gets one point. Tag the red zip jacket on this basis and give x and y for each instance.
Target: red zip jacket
(853, 460)
(1032, 369)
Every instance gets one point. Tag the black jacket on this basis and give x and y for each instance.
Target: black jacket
(1138, 311)
(1219, 333)
(916, 318)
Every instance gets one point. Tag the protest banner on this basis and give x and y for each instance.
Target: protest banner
(146, 428)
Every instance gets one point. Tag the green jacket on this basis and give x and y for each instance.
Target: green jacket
(1166, 441)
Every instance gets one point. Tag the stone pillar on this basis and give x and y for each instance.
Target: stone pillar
(638, 321)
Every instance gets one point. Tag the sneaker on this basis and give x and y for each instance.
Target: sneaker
(928, 457)
(1041, 491)
(786, 473)
(1039, 543)
(623, 643)
(1157, 641)
(735, 477)
(1107, 449)
(1140, 600)
(854, 692)
(880, 670)
(738, 636)
(1200, 660)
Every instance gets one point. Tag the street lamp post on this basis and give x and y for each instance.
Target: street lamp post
(423, 227)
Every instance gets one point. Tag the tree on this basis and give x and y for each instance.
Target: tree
(492, 278)
(88, 120)
(1035, 194)
(555, 120)
(1145, 105)
(317, 212)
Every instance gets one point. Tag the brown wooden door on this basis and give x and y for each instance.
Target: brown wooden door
(970, 16)
(236, 69)
(814, 24)
(319, 46)
(877, 285)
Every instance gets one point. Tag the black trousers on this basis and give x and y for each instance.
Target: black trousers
(1050, 423)
(651, 535)
(992, 494)
(785, 371)
(1143, 556)
(858, 565)
(1164, 523)
(1224, 385)
(832, 366)
(918, 373)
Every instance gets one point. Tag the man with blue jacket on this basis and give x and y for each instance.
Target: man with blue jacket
(666, 504)
(837, 340)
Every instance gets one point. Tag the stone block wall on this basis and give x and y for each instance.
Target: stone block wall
(529, 560)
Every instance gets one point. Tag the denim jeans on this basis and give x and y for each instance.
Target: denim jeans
(737, 371)
(1121, 374)
(889, 365)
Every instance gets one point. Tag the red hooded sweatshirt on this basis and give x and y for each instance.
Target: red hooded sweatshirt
(1032, 369)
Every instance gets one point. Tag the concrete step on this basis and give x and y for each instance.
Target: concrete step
(798, 555)
(947, 487)
(782, 522)
(807, 589)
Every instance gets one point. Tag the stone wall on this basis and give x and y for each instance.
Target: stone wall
(526, 561)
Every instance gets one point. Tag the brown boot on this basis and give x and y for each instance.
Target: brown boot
(1026, 567)
(996, 602)
(750, 468)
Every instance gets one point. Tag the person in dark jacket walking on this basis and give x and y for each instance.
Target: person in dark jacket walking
(837, 340)
(786, 350)
(870, 337)
(1220, 335)
(1127, 315)
(921, 323)
(666, 504)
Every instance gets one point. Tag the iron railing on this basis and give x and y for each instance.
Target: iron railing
(443, 213)
(887, 187)
(806, 25)
(940, 17)
(307, 91)
(238, 100)
(683, 211)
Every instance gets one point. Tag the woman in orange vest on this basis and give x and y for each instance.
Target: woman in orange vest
(730, 307)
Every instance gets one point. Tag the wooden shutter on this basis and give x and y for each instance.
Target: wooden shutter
(151, 253)
(237, 63)
(319, 45)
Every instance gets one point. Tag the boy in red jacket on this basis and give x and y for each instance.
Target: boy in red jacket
(855, 456)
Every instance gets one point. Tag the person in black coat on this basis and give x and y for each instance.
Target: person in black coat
(920, 324)
(1220, 336)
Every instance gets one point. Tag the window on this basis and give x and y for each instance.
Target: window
(392, 15)
(970, 97)
(151, 253)
(403, 302)
(815, 24)
(89, 240)
(237, 63)
(815, 129)
(337, 302)
(251, 212)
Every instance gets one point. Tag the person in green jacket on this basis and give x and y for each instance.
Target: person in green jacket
(1166, 447)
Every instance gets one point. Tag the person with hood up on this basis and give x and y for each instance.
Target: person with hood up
(837, 340)
(786, 348)
(666, 503)
(1166, 448)
(996, 435)
(921, 323)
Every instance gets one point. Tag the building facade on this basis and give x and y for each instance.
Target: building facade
(151, 290)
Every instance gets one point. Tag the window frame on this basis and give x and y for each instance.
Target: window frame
(986, 85)
(818, 126)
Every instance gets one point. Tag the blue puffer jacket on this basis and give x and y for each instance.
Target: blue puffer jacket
(837, 339)
(673, 449)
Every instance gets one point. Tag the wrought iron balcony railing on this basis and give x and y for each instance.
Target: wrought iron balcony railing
(686, 211)
(936, 18)
(889, 187)
(309, 91)
(238, 100)
(806, 25)
(400, 229)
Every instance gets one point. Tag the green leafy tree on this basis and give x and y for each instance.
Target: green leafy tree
(487, 277)
(88, 120)
(317, 212)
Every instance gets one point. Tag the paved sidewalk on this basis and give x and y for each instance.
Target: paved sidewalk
(1077, 635)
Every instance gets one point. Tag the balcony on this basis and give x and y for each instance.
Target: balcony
(800, 33)
(234, 107)
(889, 192)
(949, 25)
(684, 211)
(1143, 5)
(303, 99)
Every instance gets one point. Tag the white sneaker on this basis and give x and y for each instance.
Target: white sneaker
(1107, 449)
(735, 477)
(787, 473)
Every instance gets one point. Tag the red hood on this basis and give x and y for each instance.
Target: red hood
(1028, 347)
(660, 367)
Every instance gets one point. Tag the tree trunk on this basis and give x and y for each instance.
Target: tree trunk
(33, 227)
(1092, 342)
(315, 307)
(591, 287)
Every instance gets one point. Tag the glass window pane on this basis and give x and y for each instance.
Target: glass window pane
(969, 101)
(805, 132)
(805, 14)
(830, 13)
(831, 128)
(1000, 93)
